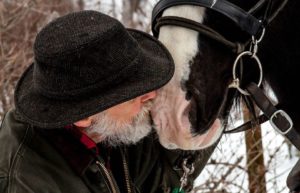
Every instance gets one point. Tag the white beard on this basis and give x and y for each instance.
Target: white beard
(113, 133)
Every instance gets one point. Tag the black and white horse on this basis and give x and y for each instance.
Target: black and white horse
(205, 38)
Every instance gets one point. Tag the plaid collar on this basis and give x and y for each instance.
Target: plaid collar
(78, 149)
(83, 138)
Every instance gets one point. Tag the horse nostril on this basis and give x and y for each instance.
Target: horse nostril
(188, 95)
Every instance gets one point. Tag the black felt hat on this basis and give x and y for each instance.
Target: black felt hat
(84, 63)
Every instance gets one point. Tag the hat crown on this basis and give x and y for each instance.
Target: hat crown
(82, 52)
(73, 31)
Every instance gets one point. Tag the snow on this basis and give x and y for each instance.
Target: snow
(232, 147)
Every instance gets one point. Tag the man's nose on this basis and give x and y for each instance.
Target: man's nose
(149, 96)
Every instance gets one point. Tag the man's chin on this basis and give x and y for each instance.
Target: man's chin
(130, 136)
(115, 142)
(114, 133)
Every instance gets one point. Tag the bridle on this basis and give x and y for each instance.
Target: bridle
(245, 20)
(255, 28)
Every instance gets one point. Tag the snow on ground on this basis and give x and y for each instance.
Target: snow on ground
(232, 148)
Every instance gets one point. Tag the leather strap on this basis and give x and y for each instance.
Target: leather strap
(243, 19)
(272, 8)
(278, 118)
(191, 24)
(248, 125)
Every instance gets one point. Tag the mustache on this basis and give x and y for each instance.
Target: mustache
(112, 132)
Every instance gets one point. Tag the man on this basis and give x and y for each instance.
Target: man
(82, 113)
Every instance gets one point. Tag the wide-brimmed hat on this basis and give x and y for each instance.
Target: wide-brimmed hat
(84, 63)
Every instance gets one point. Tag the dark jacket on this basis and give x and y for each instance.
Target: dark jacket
(34, 160)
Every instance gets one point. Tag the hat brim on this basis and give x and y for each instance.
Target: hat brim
(156, 68)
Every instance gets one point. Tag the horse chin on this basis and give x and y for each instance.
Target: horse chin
(182, 138)
(170, 114)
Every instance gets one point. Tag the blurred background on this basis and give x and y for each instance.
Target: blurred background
(252, 162)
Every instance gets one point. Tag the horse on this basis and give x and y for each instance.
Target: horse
(226, 51)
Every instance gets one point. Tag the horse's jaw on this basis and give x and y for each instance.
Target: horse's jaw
(170, 114)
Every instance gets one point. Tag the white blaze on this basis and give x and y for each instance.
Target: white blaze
(182, 42)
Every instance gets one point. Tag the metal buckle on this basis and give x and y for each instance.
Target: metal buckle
(286, 116)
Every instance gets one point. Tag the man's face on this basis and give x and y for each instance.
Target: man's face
(125, 123)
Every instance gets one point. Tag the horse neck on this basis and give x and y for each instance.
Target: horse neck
(279, 54)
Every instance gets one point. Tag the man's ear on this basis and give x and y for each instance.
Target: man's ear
(84, 122)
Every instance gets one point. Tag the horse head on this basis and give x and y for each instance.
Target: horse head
(191, 111)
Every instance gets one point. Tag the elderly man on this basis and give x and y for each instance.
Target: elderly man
(82, 113)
